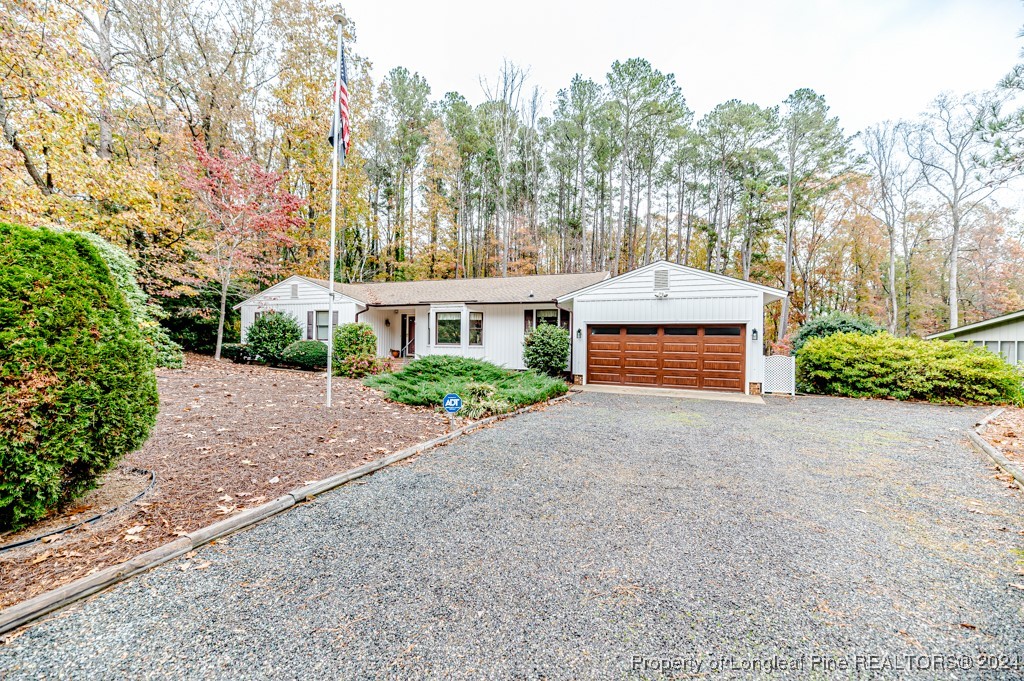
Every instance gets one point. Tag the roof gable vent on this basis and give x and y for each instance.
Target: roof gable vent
(295, 291)
(661, 279)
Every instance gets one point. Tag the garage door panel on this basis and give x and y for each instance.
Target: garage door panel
(694, 357)
(681, 381)
(719, 365)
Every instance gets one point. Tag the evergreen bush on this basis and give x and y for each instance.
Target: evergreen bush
(883, 366)
(306, 354)
(77, 386)
(146, 314)
(833, 322)
(270, 335)
(546, 349)
(354, 339)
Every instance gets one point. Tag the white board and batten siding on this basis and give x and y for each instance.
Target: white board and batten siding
(669, 294)
(297, 297)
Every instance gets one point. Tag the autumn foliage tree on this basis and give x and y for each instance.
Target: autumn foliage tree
(246, 216)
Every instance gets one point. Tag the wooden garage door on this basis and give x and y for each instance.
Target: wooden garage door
(706, 357)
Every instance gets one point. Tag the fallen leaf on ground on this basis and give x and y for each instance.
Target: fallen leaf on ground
(274, 480)
(135, 530)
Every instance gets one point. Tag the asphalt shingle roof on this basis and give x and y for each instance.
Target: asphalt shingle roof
(522, 289)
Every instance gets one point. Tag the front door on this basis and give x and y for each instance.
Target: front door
(409, 335)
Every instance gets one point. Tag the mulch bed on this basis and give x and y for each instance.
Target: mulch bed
(228, 437)
(1006, 432)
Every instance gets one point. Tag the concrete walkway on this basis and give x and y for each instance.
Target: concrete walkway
(603, 537)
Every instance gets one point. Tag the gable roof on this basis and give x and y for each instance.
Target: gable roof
(535, 288)
(984, 323)
(775, 293)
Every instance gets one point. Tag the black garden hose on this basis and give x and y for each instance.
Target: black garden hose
(33, 540)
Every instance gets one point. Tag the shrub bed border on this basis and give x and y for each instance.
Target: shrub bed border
(27, 611)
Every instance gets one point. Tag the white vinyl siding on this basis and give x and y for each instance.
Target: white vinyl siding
(310, 298)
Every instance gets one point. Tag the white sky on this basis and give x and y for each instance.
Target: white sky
(872, 59)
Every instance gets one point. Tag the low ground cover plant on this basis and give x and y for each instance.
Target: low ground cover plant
(546, 349)
(883, 366)
(484, 387)
(270, 335)
(77, 382)
(306, 354)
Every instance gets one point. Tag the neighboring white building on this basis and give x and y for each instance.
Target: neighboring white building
(1003, 335)
(661, 325)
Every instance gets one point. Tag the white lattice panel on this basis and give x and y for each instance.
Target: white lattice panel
(779, 374)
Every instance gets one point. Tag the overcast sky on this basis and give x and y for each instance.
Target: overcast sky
(872, 59)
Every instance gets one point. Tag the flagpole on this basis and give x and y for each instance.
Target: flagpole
(338, 140)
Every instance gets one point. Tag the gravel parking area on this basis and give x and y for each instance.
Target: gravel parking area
(589, 538)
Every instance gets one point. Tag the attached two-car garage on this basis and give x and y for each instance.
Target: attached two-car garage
(670, 326)
(700, 357)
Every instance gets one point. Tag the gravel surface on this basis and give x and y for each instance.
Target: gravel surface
(563, 543)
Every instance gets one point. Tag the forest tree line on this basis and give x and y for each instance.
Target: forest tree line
(117, 116)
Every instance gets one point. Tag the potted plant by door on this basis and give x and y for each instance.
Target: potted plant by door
(396, 353)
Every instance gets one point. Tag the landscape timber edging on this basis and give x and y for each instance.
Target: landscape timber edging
(993, 452)
(22, 613)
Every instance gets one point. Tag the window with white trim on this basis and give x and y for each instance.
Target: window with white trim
(546, 317)
(476, 328)
(322, 322)
(448, 327)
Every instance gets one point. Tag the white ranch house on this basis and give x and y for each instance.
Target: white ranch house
(663, 325)
(1003, 335)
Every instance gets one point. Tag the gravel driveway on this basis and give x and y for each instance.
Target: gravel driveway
(606, 537)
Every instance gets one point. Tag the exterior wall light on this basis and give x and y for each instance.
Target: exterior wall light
(579, 334)
(753, 335)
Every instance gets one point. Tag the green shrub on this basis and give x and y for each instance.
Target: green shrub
(883, 366)
(236, 352)
(270, 335)
(357, 366)
(77, 387)
(833, 322)
(485, 388)
(354, 340)
(546, 349)
(146, 314)
(306, 354)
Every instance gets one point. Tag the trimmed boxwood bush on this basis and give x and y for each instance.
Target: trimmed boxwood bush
(546, 349)
(883, 366)
(236, 352)
(833, 322)
(354, 340)
(270, 335)
(306, 354)
(77, 386)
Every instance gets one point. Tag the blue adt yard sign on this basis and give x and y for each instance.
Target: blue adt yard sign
(452, 403)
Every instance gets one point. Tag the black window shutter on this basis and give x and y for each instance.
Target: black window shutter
(527, 321)
(563, 319)
(309, 325)
(334, 318)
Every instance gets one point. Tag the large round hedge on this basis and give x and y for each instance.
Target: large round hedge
(271, 334)
(77, 387)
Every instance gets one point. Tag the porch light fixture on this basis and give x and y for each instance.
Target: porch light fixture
(387, 322)
(753, 335)
(579, 334)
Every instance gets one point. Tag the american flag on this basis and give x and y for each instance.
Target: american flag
(340, 99)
